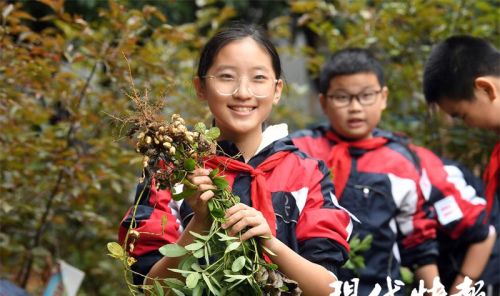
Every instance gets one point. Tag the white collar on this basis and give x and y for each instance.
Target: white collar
(271, 134)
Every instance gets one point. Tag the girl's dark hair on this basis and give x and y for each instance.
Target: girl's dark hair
(237, 31)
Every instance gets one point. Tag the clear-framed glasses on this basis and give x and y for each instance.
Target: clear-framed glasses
(259, 86)
(365, 98)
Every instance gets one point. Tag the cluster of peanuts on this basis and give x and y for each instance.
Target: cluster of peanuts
(171, 143)
(272, 283)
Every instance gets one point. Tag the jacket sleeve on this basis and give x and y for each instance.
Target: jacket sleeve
(323, 227)
(471, 190)
(154, 216)
(458, 211)
(416, 228)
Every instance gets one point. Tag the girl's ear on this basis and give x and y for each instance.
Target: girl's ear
(384, 96)
(200, 88)
(487, 84)
(278, 92)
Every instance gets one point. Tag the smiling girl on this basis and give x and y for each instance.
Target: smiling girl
(285, 195)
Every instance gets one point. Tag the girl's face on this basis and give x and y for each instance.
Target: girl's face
(249, 66)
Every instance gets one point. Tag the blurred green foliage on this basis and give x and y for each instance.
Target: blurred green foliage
(67, 171)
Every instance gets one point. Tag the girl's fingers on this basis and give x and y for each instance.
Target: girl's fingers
(197, 180)
(207, 195)
(260, 230)
(199, 176)
(235, 217)
(236, 208)
(201, 172)
(205, 187)
(244, 223)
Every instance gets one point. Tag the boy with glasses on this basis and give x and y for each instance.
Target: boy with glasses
(376, 175)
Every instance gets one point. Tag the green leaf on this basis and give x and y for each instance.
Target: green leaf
(211, 205)
(173, 250)
(284, 288)
(158, 288)
(236, 199)
(232, 246)
(234, 277)
(216, 282)
(186, 192)
(268, 251)
(358, 261)
(205, 253)
(198, 253)
(220, 182)
(237, 283)
(194, 246)
(196, 267)
(271, 266)
(238, 264)
(189, 164)
(224, 237)
(192, 280)
(406, 275)
(366, 243)
(178, 292)
(213, 133)
(181, 271)
(212, 289)
(116, 250)
(198, 290)
(187, 262)
(349, 265)
(199, 236)
(200, 127)
(174, 283)
(213, 173)
(217, 213)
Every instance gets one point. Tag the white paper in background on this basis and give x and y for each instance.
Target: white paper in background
(72, 278)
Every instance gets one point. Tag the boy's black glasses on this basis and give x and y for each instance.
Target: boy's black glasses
(228, 85)
(365, 98)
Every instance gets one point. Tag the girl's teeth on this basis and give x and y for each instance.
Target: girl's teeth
(242, 108)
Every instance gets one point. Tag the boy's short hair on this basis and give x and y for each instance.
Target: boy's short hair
(347, 62)
(454, 64)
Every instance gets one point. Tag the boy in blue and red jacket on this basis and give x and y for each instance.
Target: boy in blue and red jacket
(462, 76)
(377, 176)
(462, 218)
(453, 251)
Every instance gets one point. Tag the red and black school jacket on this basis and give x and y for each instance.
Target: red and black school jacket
(458, 214)
(381, 188)
(307, 216)
(452, 251)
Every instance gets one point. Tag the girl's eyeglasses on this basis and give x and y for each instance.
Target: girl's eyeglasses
(259, 86)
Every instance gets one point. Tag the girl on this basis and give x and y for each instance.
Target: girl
(284, 194)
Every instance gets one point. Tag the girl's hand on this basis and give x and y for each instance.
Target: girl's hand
(241, 216)
(198, 201)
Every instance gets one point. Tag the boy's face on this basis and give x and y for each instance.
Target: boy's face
(354, 119)
(483, 111)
